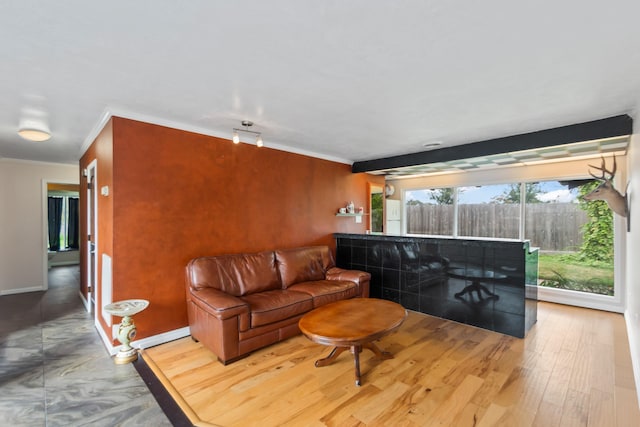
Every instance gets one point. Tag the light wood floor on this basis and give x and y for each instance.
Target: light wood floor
(573, 369)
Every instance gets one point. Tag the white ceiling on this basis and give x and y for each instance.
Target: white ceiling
(346, 80)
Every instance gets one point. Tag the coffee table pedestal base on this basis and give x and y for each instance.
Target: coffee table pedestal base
(355, 350)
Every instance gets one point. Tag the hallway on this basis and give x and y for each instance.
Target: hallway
(54, 369)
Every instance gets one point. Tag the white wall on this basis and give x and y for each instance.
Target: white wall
(64, 258)
(22, 232)
(632, 312)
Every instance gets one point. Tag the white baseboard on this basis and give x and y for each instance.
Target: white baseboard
(61, 263)
(84, 302)
(634, 347)
(144, 342)
(162, 338)
(105, 339)
(21, 290)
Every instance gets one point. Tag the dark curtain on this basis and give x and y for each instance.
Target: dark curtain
(55, 221)
(72, 231)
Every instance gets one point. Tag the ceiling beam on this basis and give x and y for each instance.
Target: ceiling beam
(587, 131)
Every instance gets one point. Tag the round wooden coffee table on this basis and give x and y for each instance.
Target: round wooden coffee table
(352, 324)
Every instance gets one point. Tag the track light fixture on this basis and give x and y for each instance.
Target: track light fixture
(247, 124)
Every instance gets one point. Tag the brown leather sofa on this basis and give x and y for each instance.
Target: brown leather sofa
(239, 303)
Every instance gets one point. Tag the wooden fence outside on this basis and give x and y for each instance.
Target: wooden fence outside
(549, 226)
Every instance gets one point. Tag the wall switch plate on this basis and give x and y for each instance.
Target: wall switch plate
(104, 190)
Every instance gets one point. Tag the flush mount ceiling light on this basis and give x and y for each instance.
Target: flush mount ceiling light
(34, 130)
(247, 124)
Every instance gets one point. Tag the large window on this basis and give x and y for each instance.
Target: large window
(554, 217)
(489, 211)
(482, 211)
(430, 211)
(575, 238)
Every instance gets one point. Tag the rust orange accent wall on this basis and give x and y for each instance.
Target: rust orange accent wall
(177, 195)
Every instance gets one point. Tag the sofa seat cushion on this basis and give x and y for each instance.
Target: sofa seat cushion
(326, 291)
(272, 306)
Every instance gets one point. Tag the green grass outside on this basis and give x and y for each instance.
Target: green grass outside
(565, 271)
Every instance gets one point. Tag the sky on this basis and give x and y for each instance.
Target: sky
(551, 191)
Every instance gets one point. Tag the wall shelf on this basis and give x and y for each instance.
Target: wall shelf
(356, 216)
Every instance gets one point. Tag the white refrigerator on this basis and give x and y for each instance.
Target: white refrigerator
(393, 217)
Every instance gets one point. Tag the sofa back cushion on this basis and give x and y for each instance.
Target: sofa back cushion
(303, 264)
(236, 275)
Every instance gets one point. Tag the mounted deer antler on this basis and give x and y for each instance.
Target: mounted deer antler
(605, 191)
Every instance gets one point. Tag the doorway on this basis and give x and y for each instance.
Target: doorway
(376, 207)
(60, 224)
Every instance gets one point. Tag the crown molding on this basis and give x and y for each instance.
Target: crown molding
(110, 112)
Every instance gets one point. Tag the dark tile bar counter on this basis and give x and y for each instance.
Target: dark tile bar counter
(491, 284)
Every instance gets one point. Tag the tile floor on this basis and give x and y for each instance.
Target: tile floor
(55, 370)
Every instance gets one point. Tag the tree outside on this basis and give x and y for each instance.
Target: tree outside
(377, 200)
(443, 196)
(590, 269)
(598, 232)
(512, 194)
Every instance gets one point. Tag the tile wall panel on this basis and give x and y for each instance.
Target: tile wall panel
(490, 284)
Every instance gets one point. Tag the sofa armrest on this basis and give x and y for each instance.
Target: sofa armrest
(360, 278)
(356, 276)
(218, 303)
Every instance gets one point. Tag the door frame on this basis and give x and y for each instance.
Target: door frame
(92, 227)
(372, 188)
(45, 226)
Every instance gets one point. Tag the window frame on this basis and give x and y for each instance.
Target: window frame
(563, 170)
